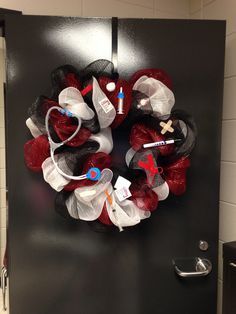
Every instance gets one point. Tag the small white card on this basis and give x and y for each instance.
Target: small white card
(106, 105)
(123, 193)
(122, 182)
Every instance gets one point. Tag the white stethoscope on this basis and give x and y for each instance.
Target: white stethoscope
(94, 173)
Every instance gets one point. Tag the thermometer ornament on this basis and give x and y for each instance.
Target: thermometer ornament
(161, 143)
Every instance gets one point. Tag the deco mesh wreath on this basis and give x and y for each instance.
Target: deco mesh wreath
(73, 141)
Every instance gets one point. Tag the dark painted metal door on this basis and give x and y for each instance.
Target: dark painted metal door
(62, 267)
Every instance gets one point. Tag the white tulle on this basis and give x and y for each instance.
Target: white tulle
(161, 97)
(51, 175)
(34, 130)
(162, 191)
(71, 99)
(89, 207)
(125, 213)
(104, 139)
(104, 108)
(129, 155)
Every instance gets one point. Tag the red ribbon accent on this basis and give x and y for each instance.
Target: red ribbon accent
(86, 90)
(149, 165)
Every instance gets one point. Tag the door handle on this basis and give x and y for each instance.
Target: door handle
(203, 268)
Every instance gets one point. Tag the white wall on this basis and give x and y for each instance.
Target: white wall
(207, 9)
(225, 10)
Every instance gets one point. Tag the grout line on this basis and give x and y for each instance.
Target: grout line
(228, 161)
(229, 119)
(229, 77)
(231, 33)
(229, 203)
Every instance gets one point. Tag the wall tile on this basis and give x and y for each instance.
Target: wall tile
(2, 123)
(109, 8)
(205, 2)
(144, 3)
(196, 16)
(45, 7)
(3, 217)
(229, 107)
(195, 5)
(220, 261)
(219, 299)
(228, 143)
(230, 53)
(175, 6)
(170, 15)
(3, 237)
(2, 158)
(2, 137)
(227, 222)
(228, 182)
(222, 10)
(3, 198)
(2, 178)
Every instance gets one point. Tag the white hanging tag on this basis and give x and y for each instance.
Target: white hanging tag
(123, 193)
(122, 182)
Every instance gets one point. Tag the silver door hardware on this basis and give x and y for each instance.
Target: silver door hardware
(4, 286)
(203, 245)
(233, 264)
(202, 267)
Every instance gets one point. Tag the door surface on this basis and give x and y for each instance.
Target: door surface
(60, 266)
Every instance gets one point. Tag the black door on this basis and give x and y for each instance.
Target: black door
(56, 266)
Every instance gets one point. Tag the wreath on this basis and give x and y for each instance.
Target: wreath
(73, 143)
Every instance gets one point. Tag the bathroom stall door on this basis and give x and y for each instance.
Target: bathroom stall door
(60, 266)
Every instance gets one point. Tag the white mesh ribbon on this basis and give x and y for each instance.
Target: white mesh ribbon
(125, 213)
(71, 99)
(104, 108)
(34, 130)
(52, 176)
(162, 191)
(161, 97)
(129, 156)
(104, 139)
(86, 203)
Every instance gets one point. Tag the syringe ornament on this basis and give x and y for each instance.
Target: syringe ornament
(120, 97)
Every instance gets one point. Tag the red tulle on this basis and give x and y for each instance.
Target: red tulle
(141, 134)
(112, 96)
(65, 129)
(35, 152)
(175, 175)
(71, 80)
(157, 74)
(99, 160)
(104, 217)
(46, 104)
(143, 197)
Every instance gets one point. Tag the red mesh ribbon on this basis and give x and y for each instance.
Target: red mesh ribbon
(104, 217)
(157, 74)
(99, 160)
(35, 152)
(112, 96)
(72, 80)
(141, 134)
(175, 175)
(143, 197)
(64, 129)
